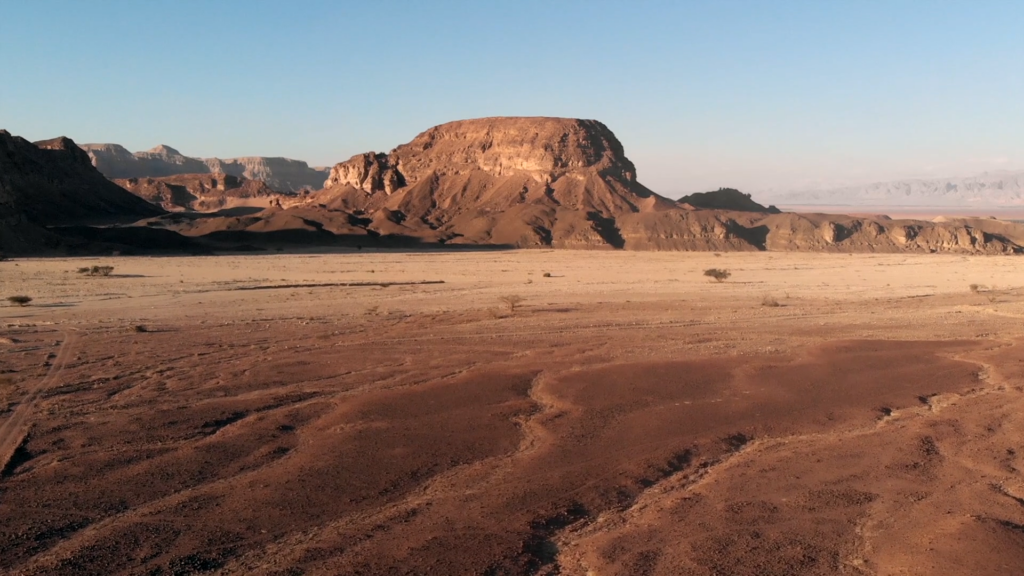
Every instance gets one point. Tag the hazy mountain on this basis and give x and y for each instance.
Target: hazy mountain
(989, 190)
(281, 174)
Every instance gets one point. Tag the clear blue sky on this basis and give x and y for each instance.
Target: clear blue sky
(758, 95)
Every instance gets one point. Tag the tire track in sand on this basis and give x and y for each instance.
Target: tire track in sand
(14, 429)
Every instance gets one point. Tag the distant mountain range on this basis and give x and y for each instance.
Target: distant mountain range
(281, 174)
(488, 182)
(989, 190)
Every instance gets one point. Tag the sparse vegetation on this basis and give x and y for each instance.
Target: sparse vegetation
(770, 301)
(96, 270)
(975, 288)
(547, 274)
(19, 300)
(140, 328)
(511, 301)
(718, 274)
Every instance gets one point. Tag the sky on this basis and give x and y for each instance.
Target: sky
(770, 95)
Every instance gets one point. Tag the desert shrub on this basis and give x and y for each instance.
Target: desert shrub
(96, 270)
(19, 300)
(547, 274)
(511, 301)
(140, 328)
(769, 301)
(717, 273)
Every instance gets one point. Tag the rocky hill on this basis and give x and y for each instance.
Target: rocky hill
(514, 181)
(990, 190)
(280, 174)
(203, 192)
(725, 199)
(51, 183)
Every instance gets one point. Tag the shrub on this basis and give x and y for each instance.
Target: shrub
(19, 300)
(96, 270)
(140, 328)
(547, 274)
(975, 288)
(511, 301)
(769, 301)
(717, 273)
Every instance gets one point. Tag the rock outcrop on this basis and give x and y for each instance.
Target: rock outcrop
(510, 181)
(837, 233)
(51, 183)
(280, 174)
(203, 192)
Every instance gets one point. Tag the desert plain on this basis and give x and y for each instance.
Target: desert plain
(388, 412)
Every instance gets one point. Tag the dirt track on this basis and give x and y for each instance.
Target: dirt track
(629, 418)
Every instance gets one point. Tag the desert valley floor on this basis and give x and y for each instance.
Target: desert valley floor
(383, 412)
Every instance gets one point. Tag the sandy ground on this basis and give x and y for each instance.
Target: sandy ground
(337, 414)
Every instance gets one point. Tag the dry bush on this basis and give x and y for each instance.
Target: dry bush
(975, 288)
(140, 328)
(19, 300)
(717, 273)
(547, 274)
(96, 270)
(511, 301)
(769, 301)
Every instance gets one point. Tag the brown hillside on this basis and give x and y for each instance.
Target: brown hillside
(202, 192)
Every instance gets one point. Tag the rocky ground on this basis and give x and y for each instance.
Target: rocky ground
(378, 412)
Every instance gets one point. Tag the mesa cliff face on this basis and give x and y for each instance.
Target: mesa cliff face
(499, 163)
(511, 181)
(280, 174)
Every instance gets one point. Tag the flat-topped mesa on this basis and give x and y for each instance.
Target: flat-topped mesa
(544, 149)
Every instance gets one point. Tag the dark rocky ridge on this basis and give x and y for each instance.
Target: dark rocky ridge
(53, 183)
